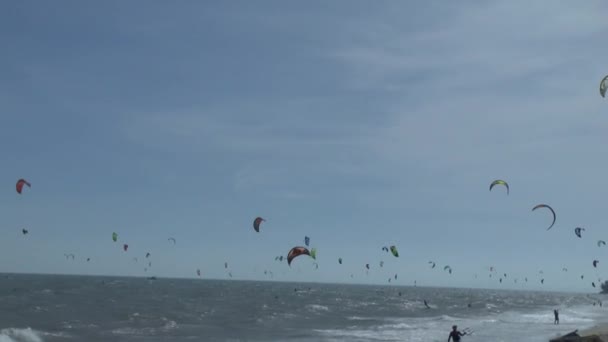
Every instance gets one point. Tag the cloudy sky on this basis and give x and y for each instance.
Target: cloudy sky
(359, 124)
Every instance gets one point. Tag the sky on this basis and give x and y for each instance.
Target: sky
(356, 123)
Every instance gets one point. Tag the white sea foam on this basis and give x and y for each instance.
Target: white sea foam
(317, 307)
(508, 326)
(20, 335)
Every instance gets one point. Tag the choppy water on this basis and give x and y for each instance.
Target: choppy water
(75, 308)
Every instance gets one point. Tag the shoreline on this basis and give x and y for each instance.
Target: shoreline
(598, 332)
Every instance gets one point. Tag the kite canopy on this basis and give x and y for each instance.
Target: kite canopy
(256, 223)
(604, 86)
(307, 241)
(432, 264)
(24, 231)
(385, 249)
(295, 252)
(381, 263)
(595, 262)
(125, 247)
(198, 272)
(340, 261)
(20, 184)
(552, 212)
(499, 182)
(367, 266)
(578, 230)
(114, 237)
(601, 242)
(394, 251)
(171, 239)
(147, 255)
(313, 253)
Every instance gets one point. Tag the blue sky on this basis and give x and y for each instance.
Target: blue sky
(358, 124)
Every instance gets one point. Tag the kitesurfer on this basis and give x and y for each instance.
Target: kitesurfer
(426, 304)
(455, 334)
(556, 314)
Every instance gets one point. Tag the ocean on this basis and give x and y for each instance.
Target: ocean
(35, 308)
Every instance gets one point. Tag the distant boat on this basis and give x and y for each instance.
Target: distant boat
(151, 278)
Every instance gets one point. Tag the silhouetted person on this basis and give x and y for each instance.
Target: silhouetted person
(556, 314)
(455, 334)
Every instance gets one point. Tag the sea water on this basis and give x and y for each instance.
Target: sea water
(35, 308)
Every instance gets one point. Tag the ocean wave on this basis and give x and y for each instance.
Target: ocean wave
(20, 335)
(317, 307)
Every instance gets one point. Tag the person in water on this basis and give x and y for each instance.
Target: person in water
(426, 304)
(556, 314)
(455, 334)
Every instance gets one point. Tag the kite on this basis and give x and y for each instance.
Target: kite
(225, 265)
(295, 252)
(448, 268)
(432, 264)
(256, 223)
(147, 254)
(542, 281)
(381, 263)
(198, 272)
(340, 261)
(20, 184)
(548, 207)
(367, 266)
(307, 241)
(601, 242)
(385, 249)
(171, 239)
(578, 230)
(595, 262)
(499, 182)
(114, 237)
(125, 247)
(313, 253)
(604, 86)
(24, 231)
(394, 251)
